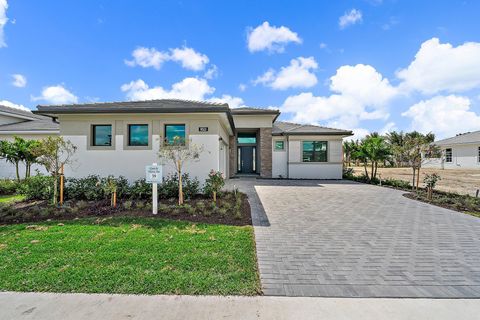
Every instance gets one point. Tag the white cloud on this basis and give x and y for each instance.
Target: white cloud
(271, 38)
(296, 75)
(242, 87)
(152, 58)
(441, 67)
(188, 88)
(10, 104)
(350, 18)
(147, 57)
(56, 95)
(3, 21)
(189, 58)
(233, 102)
(358, 134)
(19, 80)
(443, 115)
(389, 127)
(211, 73)
(359, 93)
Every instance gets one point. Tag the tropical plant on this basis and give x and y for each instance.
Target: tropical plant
(372, 149)
(178, 154)
(110, 189)
(417, 147)
(54, 153)
(349, 149)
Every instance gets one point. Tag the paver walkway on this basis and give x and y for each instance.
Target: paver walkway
(344, 239)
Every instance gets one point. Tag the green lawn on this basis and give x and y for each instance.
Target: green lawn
(11, 198)
(128, 255)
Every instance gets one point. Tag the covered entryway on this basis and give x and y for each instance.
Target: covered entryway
(247, 152)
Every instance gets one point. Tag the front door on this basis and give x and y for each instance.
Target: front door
(246, 158)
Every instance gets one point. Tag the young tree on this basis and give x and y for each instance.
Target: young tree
(178, 154)
(9, 151)
(54, 153)
(26, 150)
(417, 147)
(349, 148)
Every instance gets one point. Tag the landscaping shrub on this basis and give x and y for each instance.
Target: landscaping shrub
(169, 188)
(93, 187)
(8, 186)
(396, 183)
(140, 189)
(88, 188)
(213, 184)
(37, 187)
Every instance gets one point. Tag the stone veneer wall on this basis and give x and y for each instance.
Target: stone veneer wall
(266, 152)
(232, 157)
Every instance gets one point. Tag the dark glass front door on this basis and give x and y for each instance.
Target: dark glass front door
(246, 159)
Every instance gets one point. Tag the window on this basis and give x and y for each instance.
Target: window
(175, 134)
(478, 157)
(314, 151)
(448, 155)
(138, 135)
(101, 135)
(246, 138)
(279, 145)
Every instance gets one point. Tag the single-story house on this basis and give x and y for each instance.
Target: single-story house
(459, 152)
(121, 138)
(25, 124)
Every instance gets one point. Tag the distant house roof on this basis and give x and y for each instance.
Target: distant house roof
(289, 128)
(27, 122)
(463, 138)
(18, 113)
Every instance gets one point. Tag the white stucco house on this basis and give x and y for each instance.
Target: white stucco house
(121, 138)
(459, 152)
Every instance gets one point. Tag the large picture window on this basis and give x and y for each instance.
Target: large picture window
(175, 134)
(448, 155)
(137, 135)
(102, 135)
(314, 151)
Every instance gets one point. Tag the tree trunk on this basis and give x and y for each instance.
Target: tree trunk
(371, 173)
(215, 196)
(418, 177)
(413, 179)
(180, 187)
(16, 171)
(365, 167)
(376, 167)
(55, 189)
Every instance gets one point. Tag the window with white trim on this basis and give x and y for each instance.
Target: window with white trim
(448, 155)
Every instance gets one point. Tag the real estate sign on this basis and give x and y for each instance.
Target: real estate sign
(153, 173)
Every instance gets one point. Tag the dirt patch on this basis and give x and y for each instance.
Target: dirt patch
(459, 181)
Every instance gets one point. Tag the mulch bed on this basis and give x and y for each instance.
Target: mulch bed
(37, 211)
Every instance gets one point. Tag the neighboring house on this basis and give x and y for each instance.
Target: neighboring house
(25, 124)
(459, 152)
(121, 138)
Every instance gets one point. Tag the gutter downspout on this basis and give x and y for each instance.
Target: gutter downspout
(288, 157)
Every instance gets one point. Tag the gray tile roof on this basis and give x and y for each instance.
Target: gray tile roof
(149, 106)
(468, 137)
(250, 110)
(289, 128)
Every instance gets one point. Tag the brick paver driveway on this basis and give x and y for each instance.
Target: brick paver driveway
(343, 239)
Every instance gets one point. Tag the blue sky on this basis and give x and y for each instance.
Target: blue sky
(366, 65)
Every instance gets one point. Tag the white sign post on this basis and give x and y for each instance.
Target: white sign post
(154, 176)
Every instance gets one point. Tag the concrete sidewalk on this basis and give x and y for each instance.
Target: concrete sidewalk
(103, 306)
